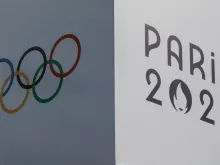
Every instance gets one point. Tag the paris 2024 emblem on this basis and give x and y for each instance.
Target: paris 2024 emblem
(180, 95)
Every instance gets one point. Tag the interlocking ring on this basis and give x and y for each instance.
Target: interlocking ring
(71, 36)
(36, 81)
(59, 86)
(36, 48)
(12, 74)
(25, 98)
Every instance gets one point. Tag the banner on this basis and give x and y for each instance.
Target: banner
(57, 82)
(167, 82)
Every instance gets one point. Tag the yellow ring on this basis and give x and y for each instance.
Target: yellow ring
(25, 98)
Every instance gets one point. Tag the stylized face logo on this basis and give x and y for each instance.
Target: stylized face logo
(180, 96)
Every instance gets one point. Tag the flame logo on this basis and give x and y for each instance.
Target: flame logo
(179, 85)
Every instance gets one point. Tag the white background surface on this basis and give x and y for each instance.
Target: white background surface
(148, 134)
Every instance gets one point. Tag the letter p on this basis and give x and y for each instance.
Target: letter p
(148, 46)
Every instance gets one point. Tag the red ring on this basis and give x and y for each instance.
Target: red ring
(77, 59)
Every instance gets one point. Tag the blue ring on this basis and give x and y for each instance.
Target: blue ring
(12, 75)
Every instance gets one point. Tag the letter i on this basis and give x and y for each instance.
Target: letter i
(213, 67)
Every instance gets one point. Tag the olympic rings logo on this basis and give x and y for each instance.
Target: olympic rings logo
(36, 81)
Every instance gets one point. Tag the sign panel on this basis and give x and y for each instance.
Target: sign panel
(57, 82)
(167, 82)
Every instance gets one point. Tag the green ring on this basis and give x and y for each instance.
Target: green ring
(41, 100)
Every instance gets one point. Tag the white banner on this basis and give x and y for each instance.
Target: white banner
(167, 82)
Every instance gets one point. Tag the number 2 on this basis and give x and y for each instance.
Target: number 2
(204, 116)
(155, 89)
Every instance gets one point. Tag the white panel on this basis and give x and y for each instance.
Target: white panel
(148, 133)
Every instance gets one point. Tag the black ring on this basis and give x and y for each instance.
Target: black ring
(35, 48)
